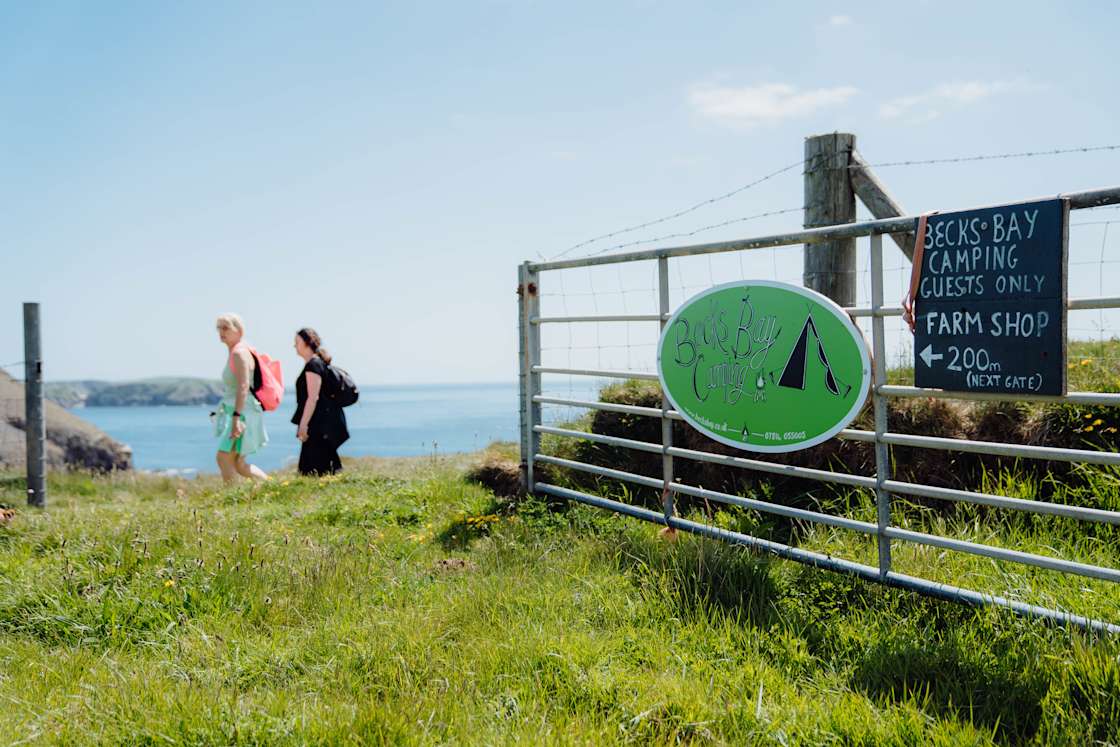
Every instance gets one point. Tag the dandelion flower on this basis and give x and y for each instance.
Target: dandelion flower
(1098, 421)
(1088, 428)
(1085, 361)
(169, 582)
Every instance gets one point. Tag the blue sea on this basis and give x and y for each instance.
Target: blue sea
(386, 421)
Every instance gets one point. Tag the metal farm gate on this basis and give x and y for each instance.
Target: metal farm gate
(535, 276)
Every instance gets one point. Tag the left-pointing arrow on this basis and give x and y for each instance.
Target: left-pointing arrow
(929, 356)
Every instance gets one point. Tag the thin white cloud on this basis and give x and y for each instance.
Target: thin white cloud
(840, 21)
(922, 107)
(764, 104)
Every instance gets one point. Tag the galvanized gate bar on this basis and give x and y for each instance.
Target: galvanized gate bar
(652, 412)
(592, 469)
(1100, 399)
(1110, 302)
(600, 438)
(785, 470)
(597, 373)
(1077, 200)
(863, 527)
(847, 434)
(854, 311)
(999, 553)
(599, 318)
(808, 557)
(946, 592)
(951, 593)
(1073, 304)
(771, 508)
(1016, 504)
(996, 448)
(667, 503)
(879, 375)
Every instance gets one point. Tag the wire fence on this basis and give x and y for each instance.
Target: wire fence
(789, 169)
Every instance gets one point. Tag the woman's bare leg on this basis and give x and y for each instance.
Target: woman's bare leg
(227, 463)
(249, 470)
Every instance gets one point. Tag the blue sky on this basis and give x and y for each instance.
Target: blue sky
(378, 170)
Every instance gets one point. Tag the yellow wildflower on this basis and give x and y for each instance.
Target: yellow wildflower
(1088, 428)
(1098, 421)
(1085, 361)
(169, 582)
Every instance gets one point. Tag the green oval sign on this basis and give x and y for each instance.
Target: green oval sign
(764, 366)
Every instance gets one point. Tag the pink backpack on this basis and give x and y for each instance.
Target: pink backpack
(268, 380)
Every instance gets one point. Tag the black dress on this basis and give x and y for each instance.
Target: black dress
(327, 429)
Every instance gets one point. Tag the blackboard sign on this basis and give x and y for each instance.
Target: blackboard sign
(990, 309)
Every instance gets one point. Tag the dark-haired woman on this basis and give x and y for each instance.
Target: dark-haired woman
(321, 425)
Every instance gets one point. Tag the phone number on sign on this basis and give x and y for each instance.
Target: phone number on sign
(787, 436)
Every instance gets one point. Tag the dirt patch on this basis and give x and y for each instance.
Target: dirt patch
(502, 476)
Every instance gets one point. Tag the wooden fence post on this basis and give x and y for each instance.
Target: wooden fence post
(830, 267)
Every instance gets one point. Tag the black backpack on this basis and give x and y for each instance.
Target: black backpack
(343, 390)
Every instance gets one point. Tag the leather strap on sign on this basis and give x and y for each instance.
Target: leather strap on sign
(911, 297)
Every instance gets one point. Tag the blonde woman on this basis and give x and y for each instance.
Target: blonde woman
(239, 425)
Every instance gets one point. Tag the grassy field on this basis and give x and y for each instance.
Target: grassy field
(400, 603)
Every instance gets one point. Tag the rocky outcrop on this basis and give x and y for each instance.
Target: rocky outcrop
(71, 441)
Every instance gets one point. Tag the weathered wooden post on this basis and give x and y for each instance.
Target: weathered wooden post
(35, 422)
(830, 266)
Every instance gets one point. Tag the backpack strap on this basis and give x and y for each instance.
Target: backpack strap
(258, 377)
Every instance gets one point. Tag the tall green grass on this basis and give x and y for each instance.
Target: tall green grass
(410, 607)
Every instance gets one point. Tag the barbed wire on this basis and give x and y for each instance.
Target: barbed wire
(990, 156)
(790, 167)
(680, 213)
(686, 234)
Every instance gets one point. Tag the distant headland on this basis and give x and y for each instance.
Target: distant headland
(156, 391)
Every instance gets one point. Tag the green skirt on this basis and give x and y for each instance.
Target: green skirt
(252, 439)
